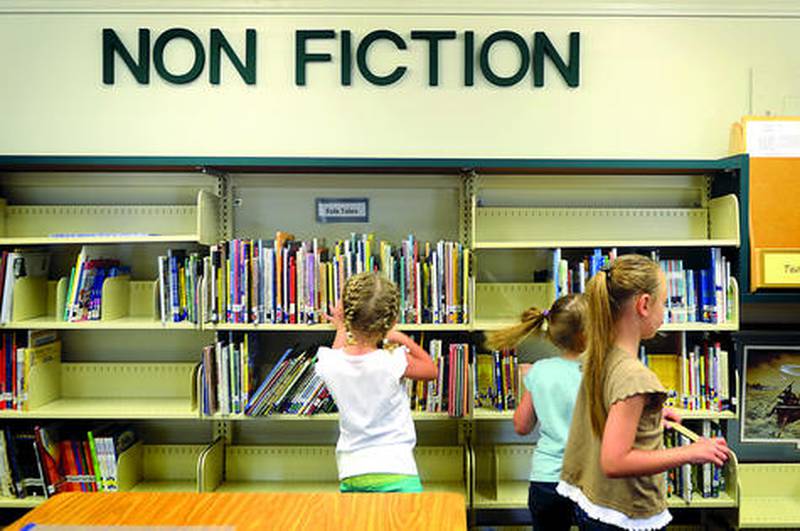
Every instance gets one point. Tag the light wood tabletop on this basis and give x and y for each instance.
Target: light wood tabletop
(243, 511)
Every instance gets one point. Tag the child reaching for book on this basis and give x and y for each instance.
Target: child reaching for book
(552, 385)
(375, 451)
(615, 455)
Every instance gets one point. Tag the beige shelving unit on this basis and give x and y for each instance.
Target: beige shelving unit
(227, 468)
(127, 305)
(569, 209)
(119, 224)
(160, 468)
(110, 391)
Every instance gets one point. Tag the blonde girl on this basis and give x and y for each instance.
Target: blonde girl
(615, 456)
(375, 451)
(551, 388)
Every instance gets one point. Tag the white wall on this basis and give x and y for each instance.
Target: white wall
(651, 86)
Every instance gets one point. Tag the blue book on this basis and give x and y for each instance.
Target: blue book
(556, 266)
(691, 296)
(267, 379)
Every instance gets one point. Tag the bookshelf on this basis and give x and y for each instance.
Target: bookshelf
(127, 305)
(110, 391)
(768, 495)
(313, 469)
(159, 468)
(144, 206)
(110, 224)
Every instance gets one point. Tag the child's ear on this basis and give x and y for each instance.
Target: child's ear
(643, 304)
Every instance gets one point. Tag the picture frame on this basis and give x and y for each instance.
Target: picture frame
(770, 399)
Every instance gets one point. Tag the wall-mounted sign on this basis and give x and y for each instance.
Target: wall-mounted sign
(342, 209)
(349, 53)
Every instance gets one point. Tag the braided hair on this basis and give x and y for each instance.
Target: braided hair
(371, 305)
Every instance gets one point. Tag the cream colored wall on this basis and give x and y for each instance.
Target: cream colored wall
(651, 86)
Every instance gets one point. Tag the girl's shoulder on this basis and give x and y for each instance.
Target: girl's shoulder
(551, 368)
(628, 376)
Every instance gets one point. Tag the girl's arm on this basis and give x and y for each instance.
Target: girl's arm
(618, 457)
(525, 415)
(420, 365)
(337, 319)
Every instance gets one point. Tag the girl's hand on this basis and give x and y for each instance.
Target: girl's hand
(714, 450)
(669, 415)
(338, 316)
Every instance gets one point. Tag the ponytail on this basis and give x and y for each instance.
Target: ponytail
(564, 326)
(532, 320)
(606, 293)
(600, 339)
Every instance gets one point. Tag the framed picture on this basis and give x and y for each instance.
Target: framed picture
(771, 394)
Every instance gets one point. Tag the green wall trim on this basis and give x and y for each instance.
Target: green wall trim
(243, 163)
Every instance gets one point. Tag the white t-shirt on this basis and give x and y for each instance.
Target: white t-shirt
(376, 432)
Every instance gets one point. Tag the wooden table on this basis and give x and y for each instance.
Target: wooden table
(242, 511)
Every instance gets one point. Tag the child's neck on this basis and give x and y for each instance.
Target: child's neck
(570, 355)
(628, 338)
(361, 345)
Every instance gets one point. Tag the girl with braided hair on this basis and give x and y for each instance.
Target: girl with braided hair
(375, 451)
(552, 385)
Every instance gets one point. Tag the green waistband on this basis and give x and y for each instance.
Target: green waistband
(381, 483)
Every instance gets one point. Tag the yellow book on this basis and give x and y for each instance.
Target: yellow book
(668, 369)
(485, 390)
(465, 285)
(42, 377)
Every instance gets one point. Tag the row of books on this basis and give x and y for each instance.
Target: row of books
(226, 375)
(85, 288)
(693, 295)
(696, 378)
(290, 281)
(42, 461)
(179, 285)
(687, 481)
(699, 296)
(292, 387)
(571, 276)
(20, 354)
(15, 265)
(497, 380)
(449, 392)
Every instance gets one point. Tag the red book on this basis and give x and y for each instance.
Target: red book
(13, 340)
(3, 365)
(69, 467)
(49, 451)
(292, 289)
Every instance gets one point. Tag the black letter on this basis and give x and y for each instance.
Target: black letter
(542, 46)
(469, 58)
(300, 55)
(347, 58)
(111, 44)
(361, 57)
(199, 56)
(524, 64)
(433, 38)
(247, 71)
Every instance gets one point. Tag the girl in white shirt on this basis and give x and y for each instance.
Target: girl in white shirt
(375, 452)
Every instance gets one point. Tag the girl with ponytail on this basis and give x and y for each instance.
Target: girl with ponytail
(615, 456)
(551, 385)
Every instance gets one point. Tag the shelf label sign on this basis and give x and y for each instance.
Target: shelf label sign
(342, 210)
(781, 269)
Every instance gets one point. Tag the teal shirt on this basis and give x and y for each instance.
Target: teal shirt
(553, 384)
